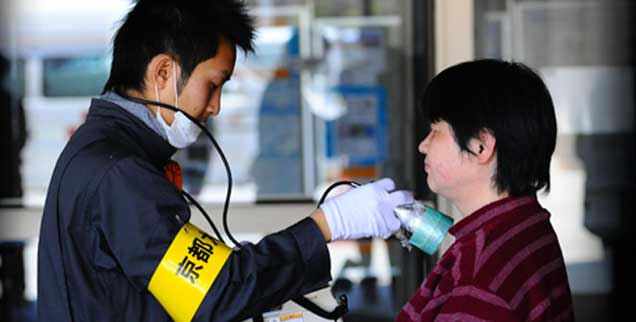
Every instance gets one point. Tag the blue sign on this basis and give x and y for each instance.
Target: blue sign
(360, 134)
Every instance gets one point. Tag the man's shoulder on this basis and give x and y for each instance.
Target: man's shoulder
(86, 149)
(103, 137)
(108, 158)
(91, 155)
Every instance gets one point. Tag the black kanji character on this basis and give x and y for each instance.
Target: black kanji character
(188, 268)
(201, 250)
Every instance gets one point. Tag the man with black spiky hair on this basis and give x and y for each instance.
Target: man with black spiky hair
(116, 242)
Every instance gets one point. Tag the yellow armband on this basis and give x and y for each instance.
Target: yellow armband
(187, 271)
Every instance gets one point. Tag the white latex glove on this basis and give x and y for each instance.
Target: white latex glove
(366, 211)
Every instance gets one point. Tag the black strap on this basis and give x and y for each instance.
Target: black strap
(337, 313)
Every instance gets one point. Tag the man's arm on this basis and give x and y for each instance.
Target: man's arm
(319, 217)
(259, 277)
(163, 256)
(142, 220)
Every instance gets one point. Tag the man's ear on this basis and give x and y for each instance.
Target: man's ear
(159, 71)
(484, 146)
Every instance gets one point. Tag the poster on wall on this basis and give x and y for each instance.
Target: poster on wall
(359, 136)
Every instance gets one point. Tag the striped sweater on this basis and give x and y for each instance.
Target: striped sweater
(505, 265)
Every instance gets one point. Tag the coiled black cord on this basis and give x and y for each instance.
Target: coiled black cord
(228, 172)
(191, 199)
(334, 185)
(342, 306)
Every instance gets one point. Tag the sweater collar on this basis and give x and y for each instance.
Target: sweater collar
(488, 213)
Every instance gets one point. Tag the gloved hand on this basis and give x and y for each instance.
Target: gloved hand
(366, 211)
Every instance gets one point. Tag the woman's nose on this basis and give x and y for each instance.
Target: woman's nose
(423, 146)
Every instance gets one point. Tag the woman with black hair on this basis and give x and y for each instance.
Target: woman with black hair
(493, 132)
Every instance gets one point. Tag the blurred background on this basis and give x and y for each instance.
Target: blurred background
(332, 93)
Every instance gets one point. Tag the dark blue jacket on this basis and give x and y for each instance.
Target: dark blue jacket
(110, 216)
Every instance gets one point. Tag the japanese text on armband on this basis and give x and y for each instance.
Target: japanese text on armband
(188, 268)
(200, 252)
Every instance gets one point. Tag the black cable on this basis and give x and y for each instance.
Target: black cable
(332, 186)
(342, 307)
(226, 164)
(191, 199)
(218, 150)
(226, 205)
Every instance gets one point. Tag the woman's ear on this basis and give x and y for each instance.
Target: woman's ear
(483, 148)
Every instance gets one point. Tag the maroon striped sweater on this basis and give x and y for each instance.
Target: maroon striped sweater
(505, 265)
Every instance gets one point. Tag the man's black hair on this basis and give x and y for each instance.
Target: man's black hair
(187, 30)
(509, 100)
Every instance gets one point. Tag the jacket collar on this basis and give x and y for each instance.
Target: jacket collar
(148, 143)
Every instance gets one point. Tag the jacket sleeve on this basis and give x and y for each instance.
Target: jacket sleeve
(139, 214)
(258, 277)
(136, 215)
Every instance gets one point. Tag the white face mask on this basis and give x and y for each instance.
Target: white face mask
(182, 132)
